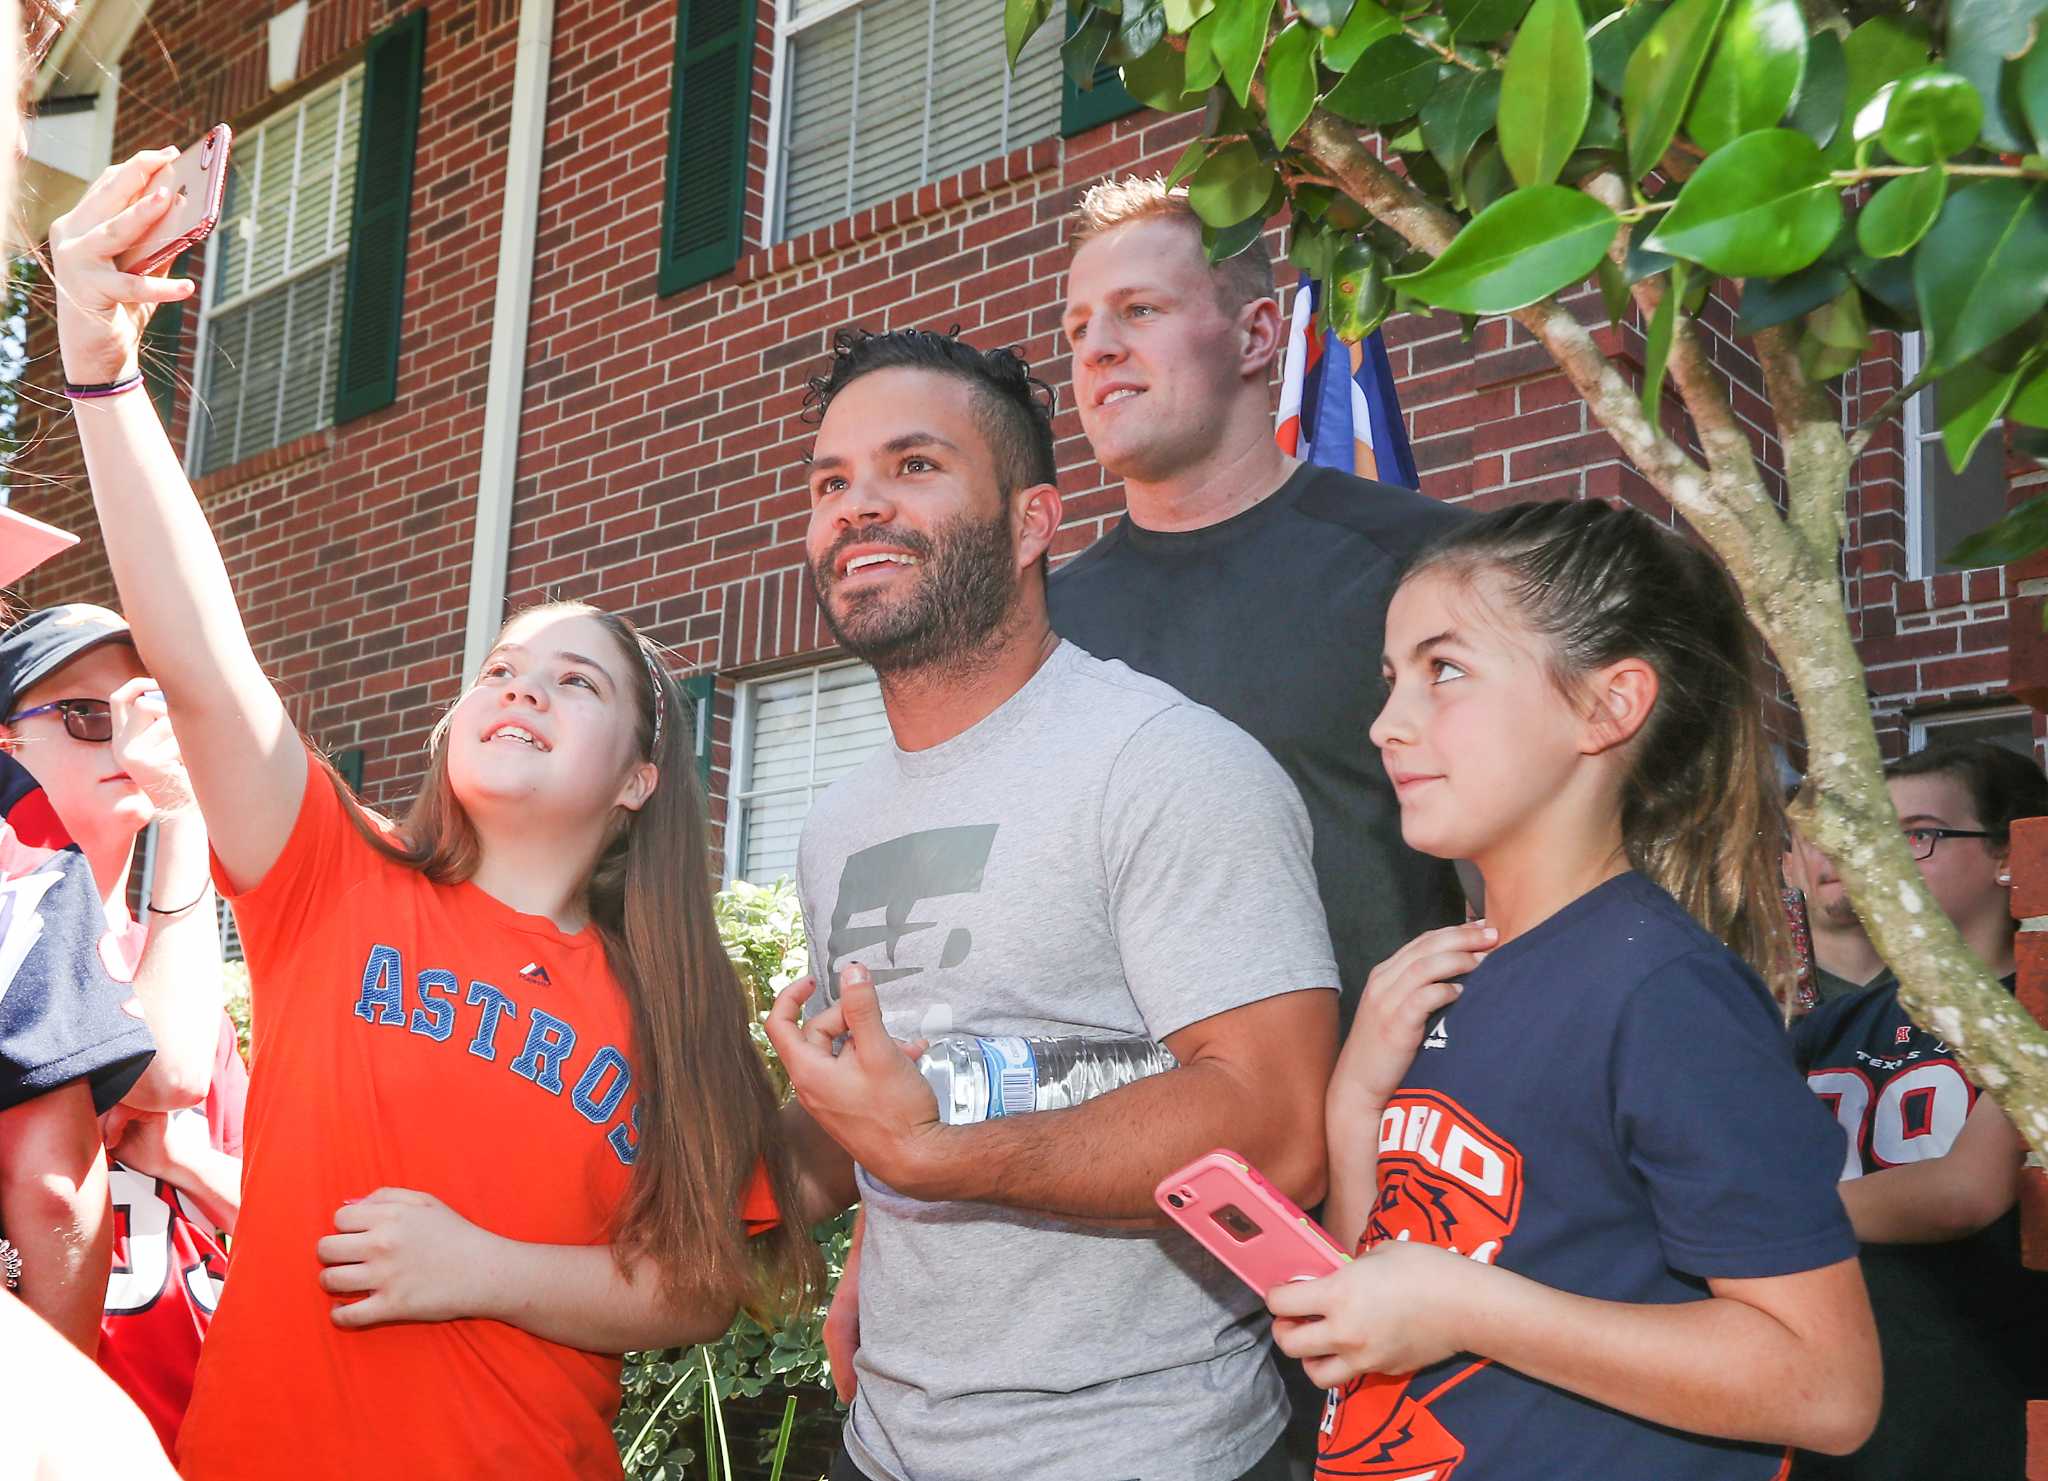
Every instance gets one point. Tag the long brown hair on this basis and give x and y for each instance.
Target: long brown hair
(707, 1105)
(1701, 813)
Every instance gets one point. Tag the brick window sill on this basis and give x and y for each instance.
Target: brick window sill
(270, 460)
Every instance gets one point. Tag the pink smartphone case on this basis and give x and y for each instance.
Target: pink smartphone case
(1247, 1223)
(200, 177)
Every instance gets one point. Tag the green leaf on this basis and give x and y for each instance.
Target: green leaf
(1878, 52)
(1022, 18)
(1614, 40)
(1481, 21)
(1139, 32)
(1933, 114)
(1983, 270)
(1613, 290)
(2032, 82)
(1835, 337)
(1158, 79)
(1232, 186)
(1758, 208)
(2022, 532)
(1191, 159)
(1642, 262)
(1457, 116)
(1546, 93)
(1657, 345)
(1327, 16)
(1486, 177)
(1982, 36)
(1356, 297)
(1659, 82)
(2030, 402)
(1519, 249)
(1181, 15)
(1081, 53)
(1900, 213)
(1973, 396)
(1367, 23)
(1818, 112)
(1290, 81)
(1204, 67)
(1222, 242)
(1754, 73)
(1390, 82)
(1239, 41)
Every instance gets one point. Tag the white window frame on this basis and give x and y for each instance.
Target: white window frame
(787, 28)
(747, 698)
(208, 308)
(1920, 430)
(1921, 730)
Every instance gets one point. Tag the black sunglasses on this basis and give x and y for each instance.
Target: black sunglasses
(84, 719)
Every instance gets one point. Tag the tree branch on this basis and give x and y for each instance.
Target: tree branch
(1335, 146)
(1868, 427)
(1817, 457)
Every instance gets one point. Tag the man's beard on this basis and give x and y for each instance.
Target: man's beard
(966, 588)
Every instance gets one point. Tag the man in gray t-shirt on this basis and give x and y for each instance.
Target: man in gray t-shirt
(1053, 845)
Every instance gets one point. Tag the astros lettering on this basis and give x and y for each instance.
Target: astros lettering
(545, 1058)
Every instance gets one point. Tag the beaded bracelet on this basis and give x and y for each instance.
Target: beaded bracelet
(107, 388)
(10, 1265)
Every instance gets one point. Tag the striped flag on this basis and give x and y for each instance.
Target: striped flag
(1350, 420)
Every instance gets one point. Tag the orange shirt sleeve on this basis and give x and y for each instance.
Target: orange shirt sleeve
(758, 1210)
(323, 859)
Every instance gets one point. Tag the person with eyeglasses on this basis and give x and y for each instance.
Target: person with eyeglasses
(1930, 1171)
(78, 711)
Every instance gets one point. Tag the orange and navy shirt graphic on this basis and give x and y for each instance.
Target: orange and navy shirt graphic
(1610, 1108)
(1444, 1180)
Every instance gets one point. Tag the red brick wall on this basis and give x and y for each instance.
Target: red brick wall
(659, 452)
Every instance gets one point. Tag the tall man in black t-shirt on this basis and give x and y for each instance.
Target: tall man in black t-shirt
(1250, 582)
(1253, 583)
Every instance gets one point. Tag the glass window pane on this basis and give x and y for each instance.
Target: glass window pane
(1955, 505)
(267, 372)
(804, 730)
(2013, 729)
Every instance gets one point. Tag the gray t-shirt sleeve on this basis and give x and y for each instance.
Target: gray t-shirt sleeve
(1206, 856)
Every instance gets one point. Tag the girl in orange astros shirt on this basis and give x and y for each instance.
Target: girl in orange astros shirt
(505, 1119)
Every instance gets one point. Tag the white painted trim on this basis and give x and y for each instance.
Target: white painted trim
(739, 772)
(772, 167)
(1918, 726)
(325, 260)
(497, 470)
(1910, 423)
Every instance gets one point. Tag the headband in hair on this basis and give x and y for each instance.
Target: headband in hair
(654, 691)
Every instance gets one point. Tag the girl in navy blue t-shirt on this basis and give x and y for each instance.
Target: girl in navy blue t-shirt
(1594, 1201)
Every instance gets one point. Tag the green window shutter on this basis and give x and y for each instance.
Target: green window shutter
(160, 341)
(1082, 109)
(697, 692)
(373, 306)
(709, 100)
(350, 764)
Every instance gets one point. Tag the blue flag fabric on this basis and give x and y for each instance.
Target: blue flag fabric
(1338, 407)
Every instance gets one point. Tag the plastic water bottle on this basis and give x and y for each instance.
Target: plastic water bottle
(979, 1079)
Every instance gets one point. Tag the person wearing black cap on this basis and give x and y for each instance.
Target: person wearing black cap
(78, 712)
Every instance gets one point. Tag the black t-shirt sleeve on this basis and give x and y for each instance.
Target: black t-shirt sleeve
(1738, 1157)
(63, 1017)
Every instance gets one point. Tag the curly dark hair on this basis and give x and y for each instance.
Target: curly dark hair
(1016, 407)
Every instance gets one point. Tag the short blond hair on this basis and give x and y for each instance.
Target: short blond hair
(1114, 202)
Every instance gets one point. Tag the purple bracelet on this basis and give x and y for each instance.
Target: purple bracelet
(109, 388)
